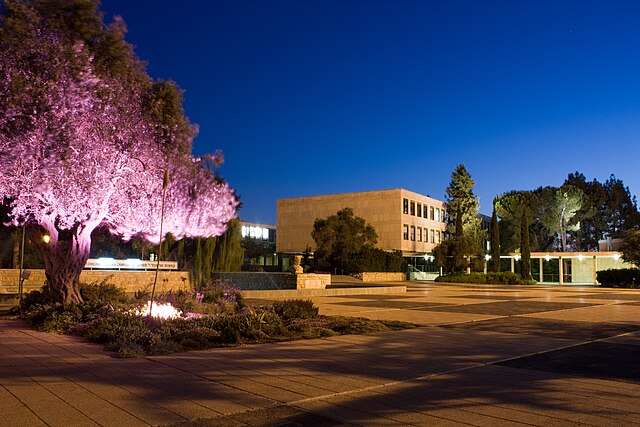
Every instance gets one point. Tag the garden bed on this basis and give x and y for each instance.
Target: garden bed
(214, 316)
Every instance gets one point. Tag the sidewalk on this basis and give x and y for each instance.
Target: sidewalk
(485, 356)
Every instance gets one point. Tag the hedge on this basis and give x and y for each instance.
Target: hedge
(504, 278)
(619, 278)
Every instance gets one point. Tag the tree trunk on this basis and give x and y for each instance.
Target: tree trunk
(64, 260)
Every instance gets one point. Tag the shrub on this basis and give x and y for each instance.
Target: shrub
(249, 324)
(182, 300)
(103, 292)
(504, 278)
(619, 278)
(375, 259)
(197, 338)
(295, 309)
(35, 298)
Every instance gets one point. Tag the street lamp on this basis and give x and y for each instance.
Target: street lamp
(165, 182)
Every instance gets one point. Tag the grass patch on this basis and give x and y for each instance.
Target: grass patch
(215, 316)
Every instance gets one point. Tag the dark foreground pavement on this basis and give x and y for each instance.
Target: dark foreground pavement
(484, 356)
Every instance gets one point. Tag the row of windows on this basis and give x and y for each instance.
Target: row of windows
(411, 207)
(420, 234)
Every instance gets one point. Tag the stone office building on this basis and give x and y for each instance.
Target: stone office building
(404, 221)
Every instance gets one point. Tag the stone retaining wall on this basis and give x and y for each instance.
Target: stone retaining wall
(275, 281)
(380, 277)
(259, 280)
(312, 281)
(130, 281)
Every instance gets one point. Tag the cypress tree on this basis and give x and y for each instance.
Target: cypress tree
(525, 247)
(495, 241)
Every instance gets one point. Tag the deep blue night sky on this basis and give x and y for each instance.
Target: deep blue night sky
(314, 97)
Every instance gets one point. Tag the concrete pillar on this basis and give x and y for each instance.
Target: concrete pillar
(541, 270)
(513, 266)
(560, 270)
(595, 270)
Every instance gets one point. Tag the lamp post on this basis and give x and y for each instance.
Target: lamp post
(165, 182)
(20, 279)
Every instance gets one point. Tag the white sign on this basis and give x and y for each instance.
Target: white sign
(130, 264)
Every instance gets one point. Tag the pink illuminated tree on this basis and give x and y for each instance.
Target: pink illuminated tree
(86, 136)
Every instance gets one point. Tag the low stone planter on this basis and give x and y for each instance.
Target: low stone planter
(379, 277)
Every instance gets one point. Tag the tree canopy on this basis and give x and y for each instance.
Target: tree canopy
(631, 247)
(340, 237)
(86, 137)
(610, 210)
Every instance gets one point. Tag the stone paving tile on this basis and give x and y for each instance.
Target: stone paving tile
(346, 414)
(493, 297)
(503, 385)
(613, 296)
(390, 304)
(505, 308)
(598, 359)
(618, 313)
(455, 396)
(51, 409)
(15, 413)
(421, 317)
(548, 327)
(374, 297)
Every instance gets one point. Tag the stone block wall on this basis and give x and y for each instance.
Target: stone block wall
(380, 277)
(312, 281)
(130, 281)
(259, 280)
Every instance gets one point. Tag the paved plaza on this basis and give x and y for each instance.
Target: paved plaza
(483, 355)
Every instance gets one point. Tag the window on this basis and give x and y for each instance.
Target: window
(405, 234)
(413, 233)
(419, 234)
(437, 236)
(443, 216)
(433, 236)
(405, 206)
(432, 213)
(419, 210)
(437, 214)
(413, 208)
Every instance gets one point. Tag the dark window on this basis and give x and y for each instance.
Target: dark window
(405, 206)
(419, 210)
(413, 208)
(413, 233)
(405, 234)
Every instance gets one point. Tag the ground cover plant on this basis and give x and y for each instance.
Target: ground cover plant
(214, 316)
(504, 278)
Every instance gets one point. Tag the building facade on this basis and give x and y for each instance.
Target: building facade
(404, 221)
(259, 244)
